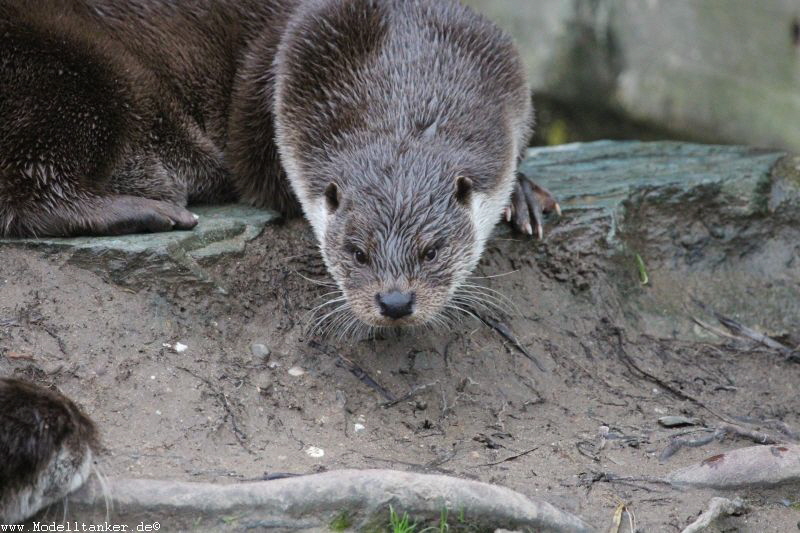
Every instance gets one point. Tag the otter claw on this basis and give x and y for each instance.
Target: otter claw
(529, 203)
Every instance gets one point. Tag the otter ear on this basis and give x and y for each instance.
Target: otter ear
(463, 190)
(332, 197)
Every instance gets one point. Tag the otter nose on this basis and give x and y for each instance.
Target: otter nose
(395, 304)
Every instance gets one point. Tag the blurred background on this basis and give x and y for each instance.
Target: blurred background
(720, 71)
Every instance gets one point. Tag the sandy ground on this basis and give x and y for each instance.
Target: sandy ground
(477, 406)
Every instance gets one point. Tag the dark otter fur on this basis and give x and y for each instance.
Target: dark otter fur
(46, 446)
(115, 115)
(397, 124)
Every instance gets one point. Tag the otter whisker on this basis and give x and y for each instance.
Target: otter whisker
(103, 480)
(316, 320)
(353, 332)
(428, 325)
(494, 275)
(484, 287)
(333, 323)
(331, 301)
(315, 281)
(438, 321)
(443, 319)
(458, 310)
(501, 301)
(484, 300)
(339, 309)
(327, 294)
(320, 323)
(344, 322)
(336, 324)
(469, 300)
(490, 300)
(353, 328)
(489, 290)
(337, 291)
(340, 322)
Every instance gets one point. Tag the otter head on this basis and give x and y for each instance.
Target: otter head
(399, 239)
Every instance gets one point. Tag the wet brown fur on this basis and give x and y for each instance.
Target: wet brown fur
(36, 424)
(106, 107)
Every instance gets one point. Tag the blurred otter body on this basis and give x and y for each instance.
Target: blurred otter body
(395, 124)
(47, 446)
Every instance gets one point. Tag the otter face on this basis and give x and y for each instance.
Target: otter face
(398, 255)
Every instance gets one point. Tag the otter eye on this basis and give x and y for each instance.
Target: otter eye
(430, 254)
(360, 257)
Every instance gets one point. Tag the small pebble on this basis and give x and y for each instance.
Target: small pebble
(296, 371)
(313, 451)
(358, 428)
(259, 350)
(180, 347)
(273, 365)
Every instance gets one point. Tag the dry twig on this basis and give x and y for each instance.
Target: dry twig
(718, 507)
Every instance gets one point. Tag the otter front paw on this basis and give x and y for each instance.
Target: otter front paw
(122, 215)
(130, 214)
(529, 204)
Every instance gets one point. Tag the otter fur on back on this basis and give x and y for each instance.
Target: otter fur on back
(394, 125)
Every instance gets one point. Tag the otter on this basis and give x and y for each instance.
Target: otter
(394, 126)
(47, 447)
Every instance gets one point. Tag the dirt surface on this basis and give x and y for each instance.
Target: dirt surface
(478, 407)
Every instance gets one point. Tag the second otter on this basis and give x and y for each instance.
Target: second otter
(47, 445)
(394, 125)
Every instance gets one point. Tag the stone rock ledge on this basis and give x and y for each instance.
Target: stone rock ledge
(134, 260)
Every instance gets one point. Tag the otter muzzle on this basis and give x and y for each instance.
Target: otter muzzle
(395, 304)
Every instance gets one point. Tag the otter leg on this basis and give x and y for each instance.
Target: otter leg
(529, 203)
(120, 215)
(67, 122)
(116, 215)
(98, 215)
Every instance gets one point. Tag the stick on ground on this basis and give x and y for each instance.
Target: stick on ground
(718, 507)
